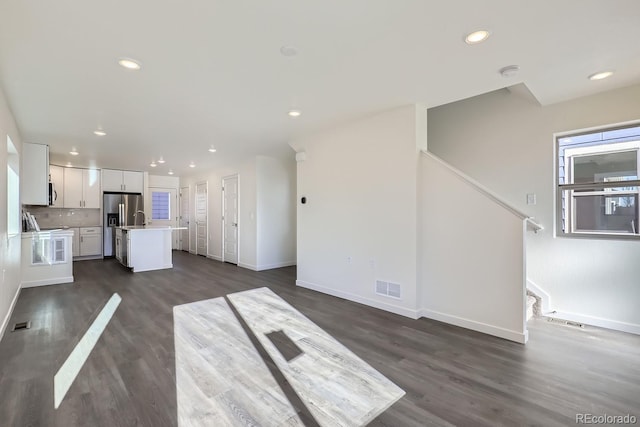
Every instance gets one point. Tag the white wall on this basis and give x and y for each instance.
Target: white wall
(472, 258)
(359, 222)
(247, 212)
(276, 207)
(9, 247)
(505, 141)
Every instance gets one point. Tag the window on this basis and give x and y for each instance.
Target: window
(598, 185)
(160, 205)
(13, 190)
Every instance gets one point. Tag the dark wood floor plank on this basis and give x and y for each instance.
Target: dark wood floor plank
(452, 376)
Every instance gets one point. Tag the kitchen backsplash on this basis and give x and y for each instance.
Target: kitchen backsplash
(58, 217)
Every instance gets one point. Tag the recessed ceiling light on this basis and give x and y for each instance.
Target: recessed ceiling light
(74, 152)
(294, 113)
(212, 149)
(192, 165)
(477, 37)
(129, 64)
(170, 172)
(601, 75)
(153, 164)
(288, 51)
(161, 160)
(99, 132)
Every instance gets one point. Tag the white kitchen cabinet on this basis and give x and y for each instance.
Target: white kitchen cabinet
(121, 246)
(126, 181)
(90, 241)
(81, 188)
(35, 174)
(56, 175)
(75, 241)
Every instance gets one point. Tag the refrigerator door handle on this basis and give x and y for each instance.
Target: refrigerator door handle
(121, 214)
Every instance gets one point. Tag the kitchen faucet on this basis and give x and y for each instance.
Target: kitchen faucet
(144, 217)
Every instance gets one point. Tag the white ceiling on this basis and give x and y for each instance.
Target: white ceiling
(213, 73)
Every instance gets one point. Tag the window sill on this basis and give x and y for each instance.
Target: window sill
(600, 236)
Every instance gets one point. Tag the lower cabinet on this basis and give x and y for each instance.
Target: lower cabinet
(90, 241)
(75, 242)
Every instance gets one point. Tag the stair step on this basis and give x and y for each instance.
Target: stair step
(530, 302)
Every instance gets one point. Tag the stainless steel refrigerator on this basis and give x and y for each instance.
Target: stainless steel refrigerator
(119, 210)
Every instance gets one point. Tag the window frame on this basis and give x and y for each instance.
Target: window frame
(599, 188)
(168, 193)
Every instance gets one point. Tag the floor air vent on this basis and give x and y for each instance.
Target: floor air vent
(21, 326)
(388, 289)
(565, 322)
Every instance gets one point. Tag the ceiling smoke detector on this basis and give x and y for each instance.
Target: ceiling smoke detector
(509, 71)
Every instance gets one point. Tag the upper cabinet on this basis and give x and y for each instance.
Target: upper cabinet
(35, 174)
(126, 181)
(81, 188)
(56, 177)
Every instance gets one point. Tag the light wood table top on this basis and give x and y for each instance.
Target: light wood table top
(221, 377)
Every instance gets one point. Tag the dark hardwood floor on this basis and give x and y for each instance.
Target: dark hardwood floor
(452, 376)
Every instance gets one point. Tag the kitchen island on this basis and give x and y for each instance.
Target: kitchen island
(144, 248)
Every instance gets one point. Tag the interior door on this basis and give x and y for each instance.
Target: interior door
(184, 218)
(201, 218)
(230, 218)
(164, 210)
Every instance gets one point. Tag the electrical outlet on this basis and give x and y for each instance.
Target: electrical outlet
(531, 198)
(348, 260)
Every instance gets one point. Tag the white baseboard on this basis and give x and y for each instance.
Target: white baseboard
(631, 328)
(545, 298)
(5, 322)
(413, 314)
(248, 266)
(215, 257)
(496, 331)
(46, 282)
(266, 266)
(276, 265)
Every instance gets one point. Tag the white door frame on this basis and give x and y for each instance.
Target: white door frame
(183, 196)
(206, 216)
(237, 176)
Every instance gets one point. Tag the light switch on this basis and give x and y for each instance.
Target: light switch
(531, 198)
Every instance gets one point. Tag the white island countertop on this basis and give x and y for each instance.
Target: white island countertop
(150, 227)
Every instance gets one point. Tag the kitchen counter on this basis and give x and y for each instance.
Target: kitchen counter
(144, 248)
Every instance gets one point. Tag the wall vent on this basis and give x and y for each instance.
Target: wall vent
(388, 289)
